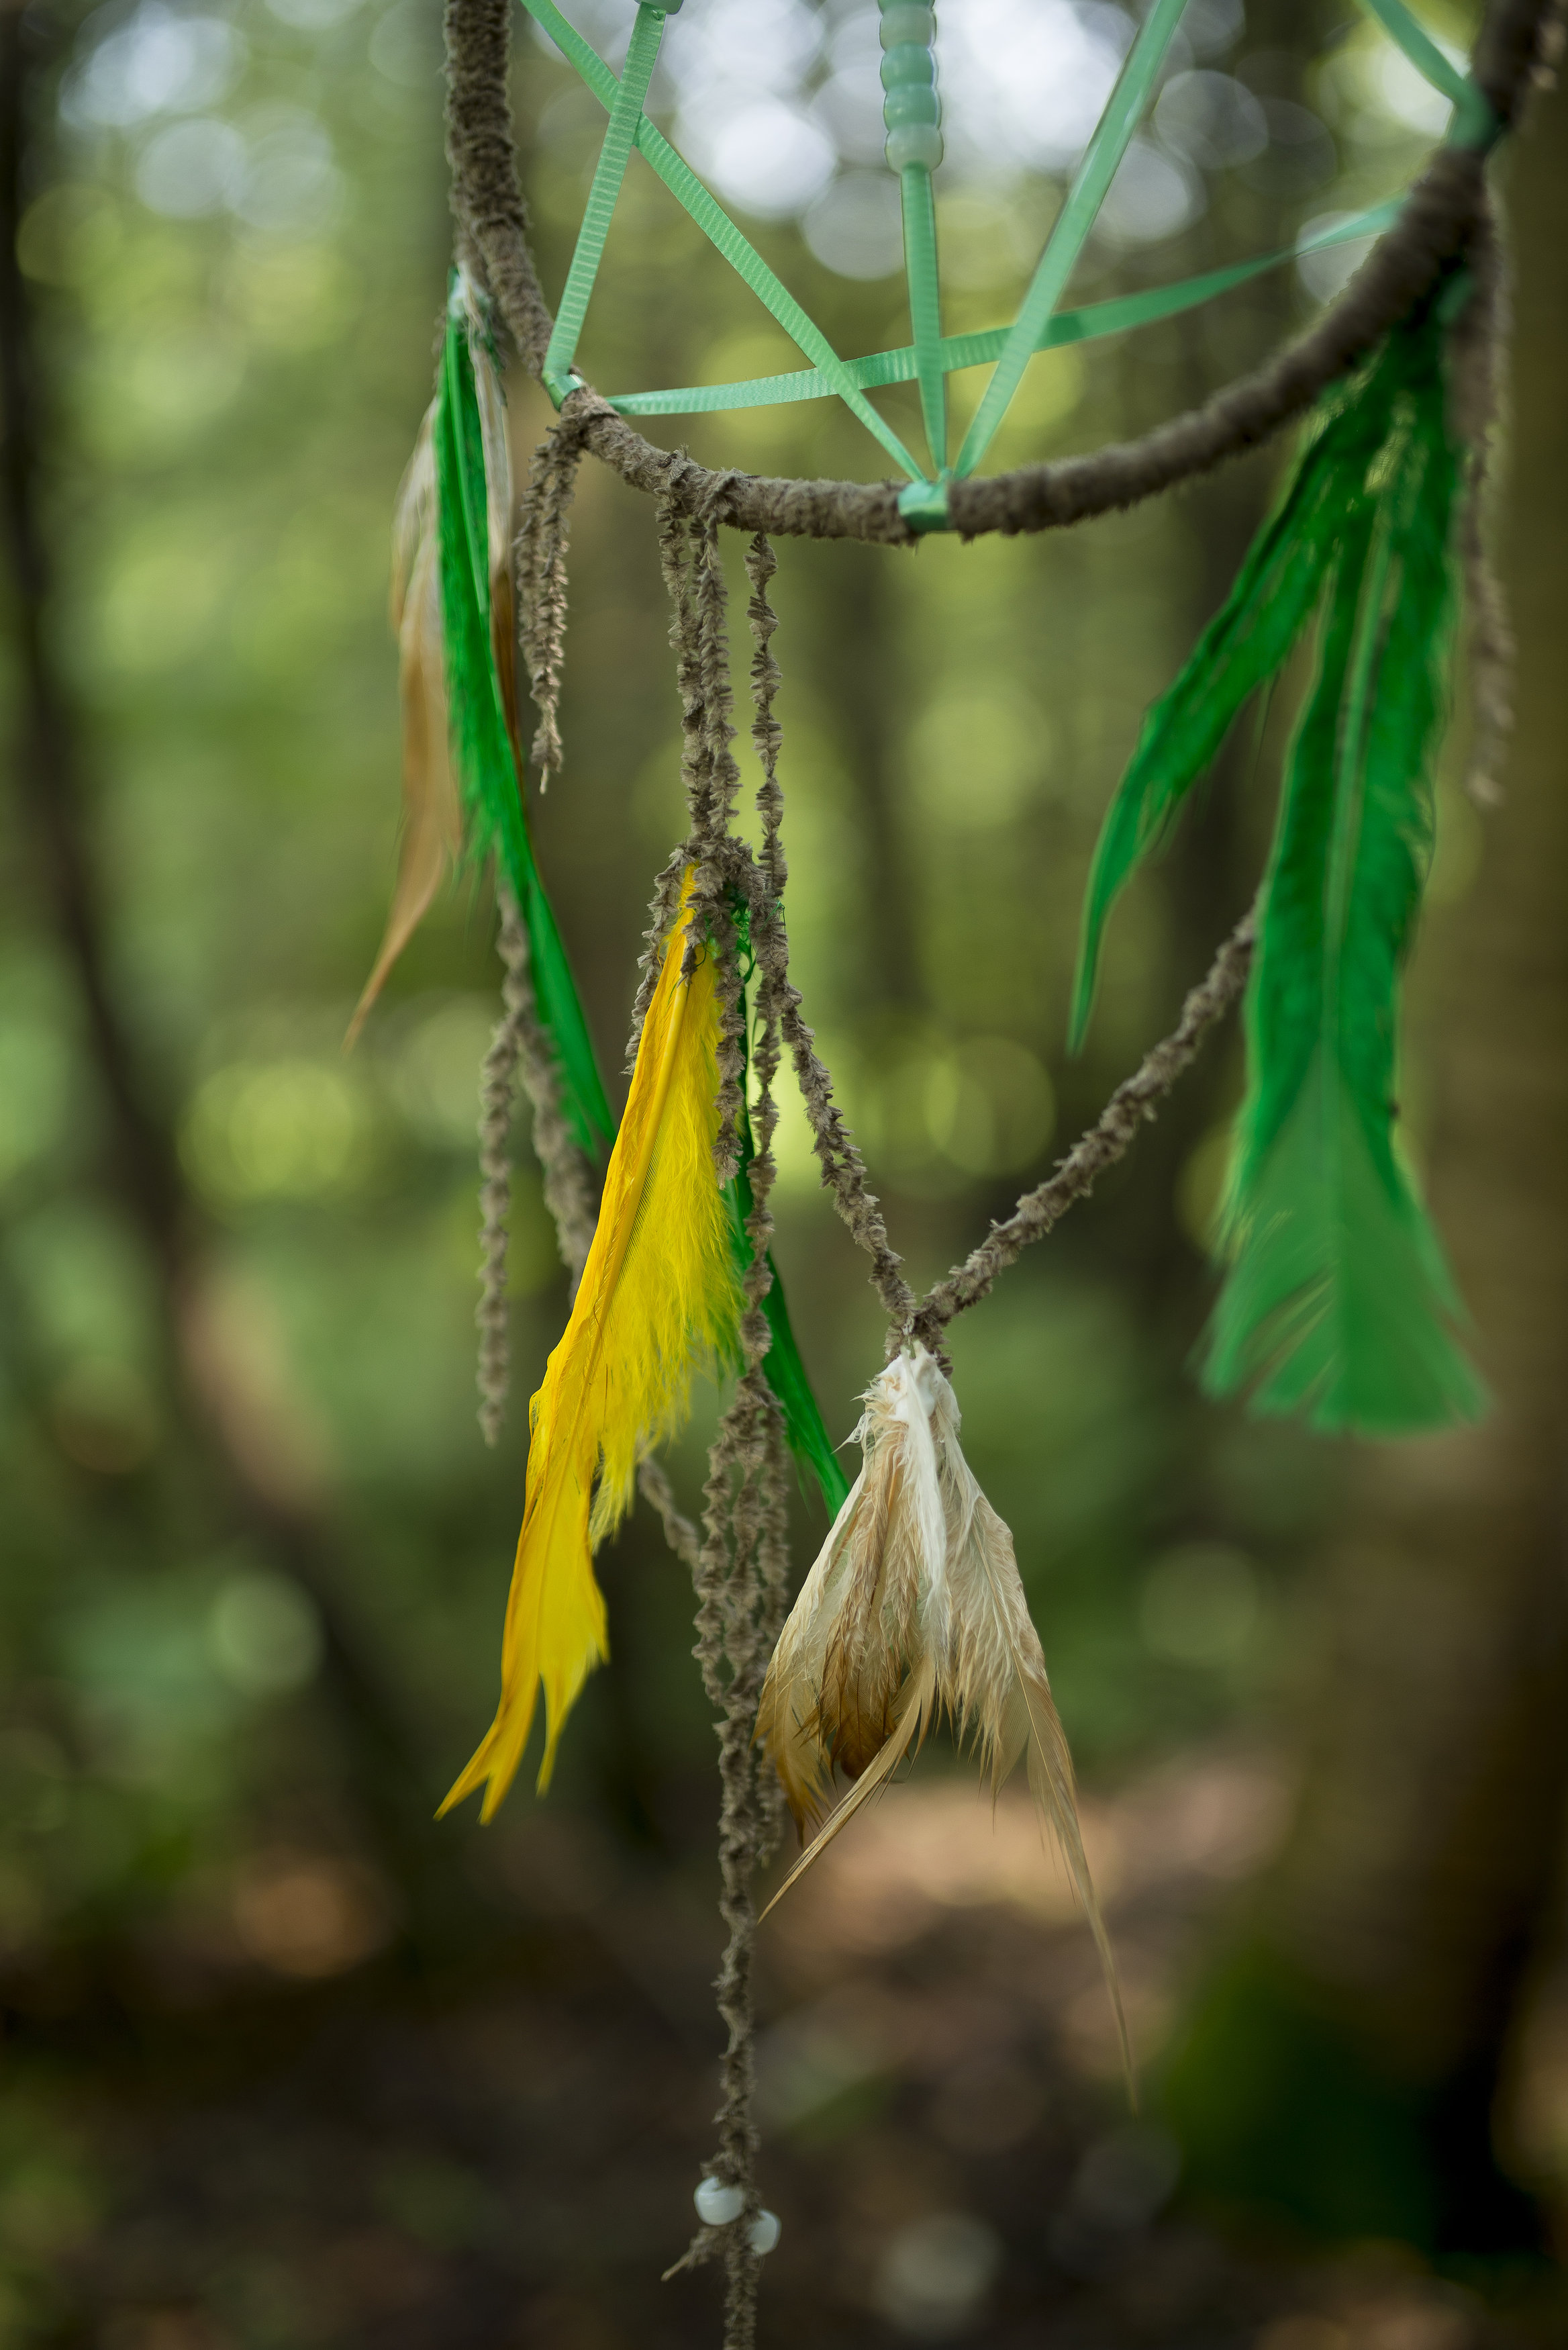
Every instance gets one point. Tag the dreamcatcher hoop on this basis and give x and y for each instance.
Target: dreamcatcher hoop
(1438, 218)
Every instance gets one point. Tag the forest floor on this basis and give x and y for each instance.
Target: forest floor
(494, 2158)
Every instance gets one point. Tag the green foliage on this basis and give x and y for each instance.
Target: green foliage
(1276, 2108)
(1283, 2106)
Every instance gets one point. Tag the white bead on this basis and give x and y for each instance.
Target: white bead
(914, 143)
(765, 2231)
(717, 2204)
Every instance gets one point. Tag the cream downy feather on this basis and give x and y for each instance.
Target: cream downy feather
(432, 821)
(914, 1608)
(659, 1296)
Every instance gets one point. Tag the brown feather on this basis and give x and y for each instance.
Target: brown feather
(915, 1606)
(432, 818)
(432, 822)
(832, 1693)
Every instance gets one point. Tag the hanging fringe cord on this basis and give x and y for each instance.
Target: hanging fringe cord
(741, 1574)
(1110, 1138)
(497, 1087)
(1477, 348)
(542, 533)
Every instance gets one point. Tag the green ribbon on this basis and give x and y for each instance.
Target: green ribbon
(1474, 123)
(620, 136)
(959, 351)
(925, 305)
(1091, 183)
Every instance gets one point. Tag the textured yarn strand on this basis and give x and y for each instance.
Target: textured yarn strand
(497, 1093)
(571, 1185)
(541, 536)
(842, 1168)
(712, 835)
(766, 734)
(1477, 346)
(771, 948)
(676, 560)
(521, 1049)
(1109, 1138)
(654, 1485)
(693, 575)
(739, 1570)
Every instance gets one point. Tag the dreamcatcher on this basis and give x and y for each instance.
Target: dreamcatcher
(1336, 1303)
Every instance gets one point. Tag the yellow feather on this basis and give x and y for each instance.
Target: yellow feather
(658, 1295)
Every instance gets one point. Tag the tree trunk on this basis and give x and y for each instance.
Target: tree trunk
(1344, 2066)
(141, 1169)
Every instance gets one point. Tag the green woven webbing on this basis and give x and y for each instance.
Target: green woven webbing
(626, 113)
(1091, 183)
(1117, 316)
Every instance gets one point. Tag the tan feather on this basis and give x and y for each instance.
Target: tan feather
(432, 823)
(914, 1607)
(911, 1718)
(860, 1626)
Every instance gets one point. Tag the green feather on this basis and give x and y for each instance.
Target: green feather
(805, 1431)
(805, 1428)
(1338, 1303)
(1243, 647)
(488, 768)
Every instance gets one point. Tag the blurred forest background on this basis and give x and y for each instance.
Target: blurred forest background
(284, 2063)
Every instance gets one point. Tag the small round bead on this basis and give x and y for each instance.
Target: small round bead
(905, 64)
(765, 2231)
(717, 2204)
(901, 22)
(902, 106)
(914, 143)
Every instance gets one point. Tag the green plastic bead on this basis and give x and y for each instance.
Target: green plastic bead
(902, 106)
(924, 506)
(901, 22)
(914, 143)
(907, 65)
